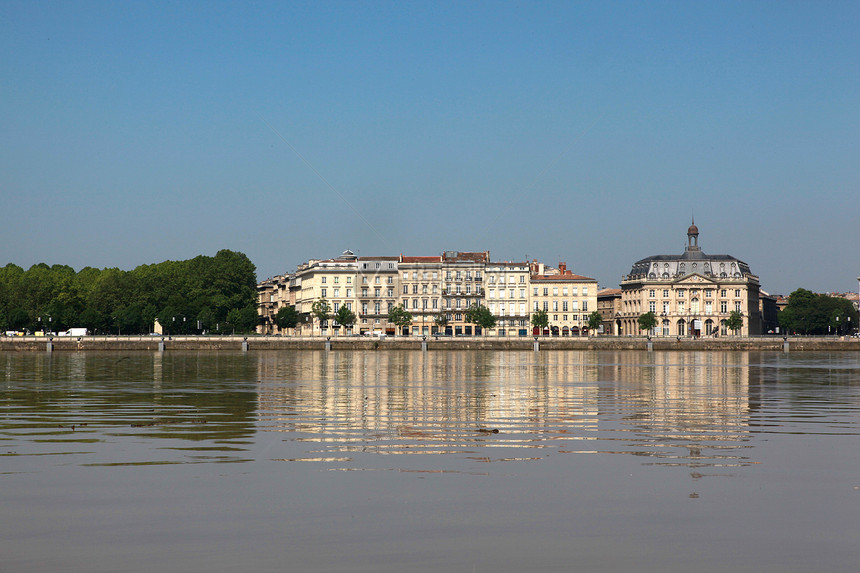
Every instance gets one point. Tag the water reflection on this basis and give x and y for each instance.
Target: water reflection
(690, 409)
(142, 408)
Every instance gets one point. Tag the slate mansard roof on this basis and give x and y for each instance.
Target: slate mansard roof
(692, 261)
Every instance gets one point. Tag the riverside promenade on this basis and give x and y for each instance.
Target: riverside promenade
(347, 343)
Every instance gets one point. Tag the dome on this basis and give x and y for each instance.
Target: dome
(693, 230)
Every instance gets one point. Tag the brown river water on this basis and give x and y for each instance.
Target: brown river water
(472, 461)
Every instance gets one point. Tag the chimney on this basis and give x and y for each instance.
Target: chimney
(562, 268)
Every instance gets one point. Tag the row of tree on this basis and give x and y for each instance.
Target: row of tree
(215, 294)
(811, 313)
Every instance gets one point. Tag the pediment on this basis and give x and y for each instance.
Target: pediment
(694, 279)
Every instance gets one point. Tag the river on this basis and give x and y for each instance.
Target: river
(472, 461)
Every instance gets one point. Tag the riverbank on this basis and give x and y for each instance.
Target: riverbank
(157, 343)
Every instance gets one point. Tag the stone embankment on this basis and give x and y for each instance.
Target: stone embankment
(168, 343)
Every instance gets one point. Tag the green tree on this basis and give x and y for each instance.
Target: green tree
(345, 317)
(810, 313)
(540, 319)
(287, 317)
(647, 322)
(321, 310)
(481, 316)
(399, 316)
(595, 319)
(735, 321)
(441, 322)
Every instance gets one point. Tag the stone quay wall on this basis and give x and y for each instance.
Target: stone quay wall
(214, 343)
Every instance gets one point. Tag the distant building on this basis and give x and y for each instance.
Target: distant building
(691, 294)
(506, 287)
(609, 307)
(566, 297)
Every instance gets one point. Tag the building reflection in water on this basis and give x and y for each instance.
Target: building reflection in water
(348, 407)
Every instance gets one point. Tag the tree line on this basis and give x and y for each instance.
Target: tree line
(811, 313)
(214, 294)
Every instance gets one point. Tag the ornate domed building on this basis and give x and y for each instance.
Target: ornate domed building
(691, 294)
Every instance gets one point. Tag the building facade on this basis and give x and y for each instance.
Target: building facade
(506, 288)
(691, 294)
(567, 298)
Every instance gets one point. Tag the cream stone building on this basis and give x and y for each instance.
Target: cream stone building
(566, 297)
(691, 294)
(378, 285)
(506, 288)
(429, 287)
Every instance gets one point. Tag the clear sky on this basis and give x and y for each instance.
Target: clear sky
(587, 132)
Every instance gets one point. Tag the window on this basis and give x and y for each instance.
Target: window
(435, 303)
(364, 308)
(681, 307)
(349, 293)
(492, 280)
(364, 292)
(376, 308)
(738, 305)
(584, 306)
(709, 307)
(377, 292)
(564, 291)
(414, 303)
(652, 293)
(336, 280)
(536, 306)
(424, 275)
(665, 307)
(405, 276)
(723, 293)
(665, 293)
(564, 306)
(737, 293)
(322, 280)
(652, 306)
(681, 293)
(415, 289)
(536, 291)
(584, 291)
(376, 281)
(724, 307)
(708, 293)
(555, 306)
(546, 305)
(554, 291)
(322, 292)
(575, 305)
(574, 291)
(405, 289)
(349, 306)
(545, 291)
(435, 275)
(522, 293)
(424, 289)
(364, 280)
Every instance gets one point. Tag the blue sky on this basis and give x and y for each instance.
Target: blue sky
(588, 132)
